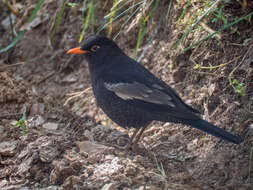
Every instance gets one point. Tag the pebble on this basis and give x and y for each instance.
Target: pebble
(109, 186)
(8, 148)
(51, 126)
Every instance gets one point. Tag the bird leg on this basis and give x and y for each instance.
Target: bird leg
(138, 137)
(132, 138)
(130, 142)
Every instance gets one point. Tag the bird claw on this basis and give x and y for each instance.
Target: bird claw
(127, 146)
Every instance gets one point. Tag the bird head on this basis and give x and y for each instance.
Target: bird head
(96, 47)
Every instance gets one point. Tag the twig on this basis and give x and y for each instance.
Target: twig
(231, 73)
(44, 78)
(75, 94)
(206, 73)
(10, 115)
(5, 75)
(210, 30)
(5, 67)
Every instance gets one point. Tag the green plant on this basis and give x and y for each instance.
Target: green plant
(239, 87)
(220, 30)
(209, 9)
(112, 15)
(141, 33)
(120, 10)
(219, 15)
(22, 123)
(58, 20)
(72, 5)
(211, 67)
(224, 17)
(145, 22)
(162, 174)
(90, 16)
(184, 10)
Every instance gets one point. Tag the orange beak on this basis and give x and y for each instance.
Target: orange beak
(76, 51)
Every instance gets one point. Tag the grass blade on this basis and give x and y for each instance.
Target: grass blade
(193, 25)
(146, 21)
(87, 19)
(124, 24)
(113, 11)
(22, 33)
(115, 18)
(13, 43)
(58, 20)
(114, 7)
(167, 16)
(218, 31)
(36, 9)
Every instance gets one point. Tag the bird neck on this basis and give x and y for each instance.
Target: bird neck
(98, 63)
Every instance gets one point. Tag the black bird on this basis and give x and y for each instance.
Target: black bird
(132, 96)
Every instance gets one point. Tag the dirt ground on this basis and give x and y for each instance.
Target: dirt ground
(67, 142)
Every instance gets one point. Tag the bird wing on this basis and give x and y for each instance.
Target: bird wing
(136, 90)
(133, 83)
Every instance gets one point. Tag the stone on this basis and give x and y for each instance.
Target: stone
(8, 148)
(51, 126)
(89, 147)
(109, 186)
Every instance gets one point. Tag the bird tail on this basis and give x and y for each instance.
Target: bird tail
(216, 131)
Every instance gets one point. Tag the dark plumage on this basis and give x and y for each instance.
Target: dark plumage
(132, 96)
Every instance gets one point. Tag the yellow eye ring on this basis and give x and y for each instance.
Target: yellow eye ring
(95, 48)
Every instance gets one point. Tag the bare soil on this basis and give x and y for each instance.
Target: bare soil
(68, 141)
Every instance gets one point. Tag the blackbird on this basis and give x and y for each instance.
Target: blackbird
(132, 96)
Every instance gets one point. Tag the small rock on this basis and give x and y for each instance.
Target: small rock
(39, 120)
(35, 22)
(89, 147)
(108, 168)
(192, 145)
(24, 188)
(94, 158)
(2, 134)
(51, 126)
(4, 182)
(35, 121)
(109, 186)
(13, 122)
(8, 148)
(79, 86)
(60, 172)
(72, 182)
(130, 170)
(69, 79)
(1, 129)
(48, 153)
(6, 22)
(37, 109)
(52, 188)
(109, 157)
(152, 187)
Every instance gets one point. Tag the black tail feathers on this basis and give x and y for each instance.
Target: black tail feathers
(216, 131)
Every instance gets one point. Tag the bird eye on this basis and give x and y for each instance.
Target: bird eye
(95, 48)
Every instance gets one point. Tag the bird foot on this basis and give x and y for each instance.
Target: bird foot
(126, 145)
(131, 146)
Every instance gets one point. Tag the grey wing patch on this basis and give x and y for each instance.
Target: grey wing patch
(130, 91)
